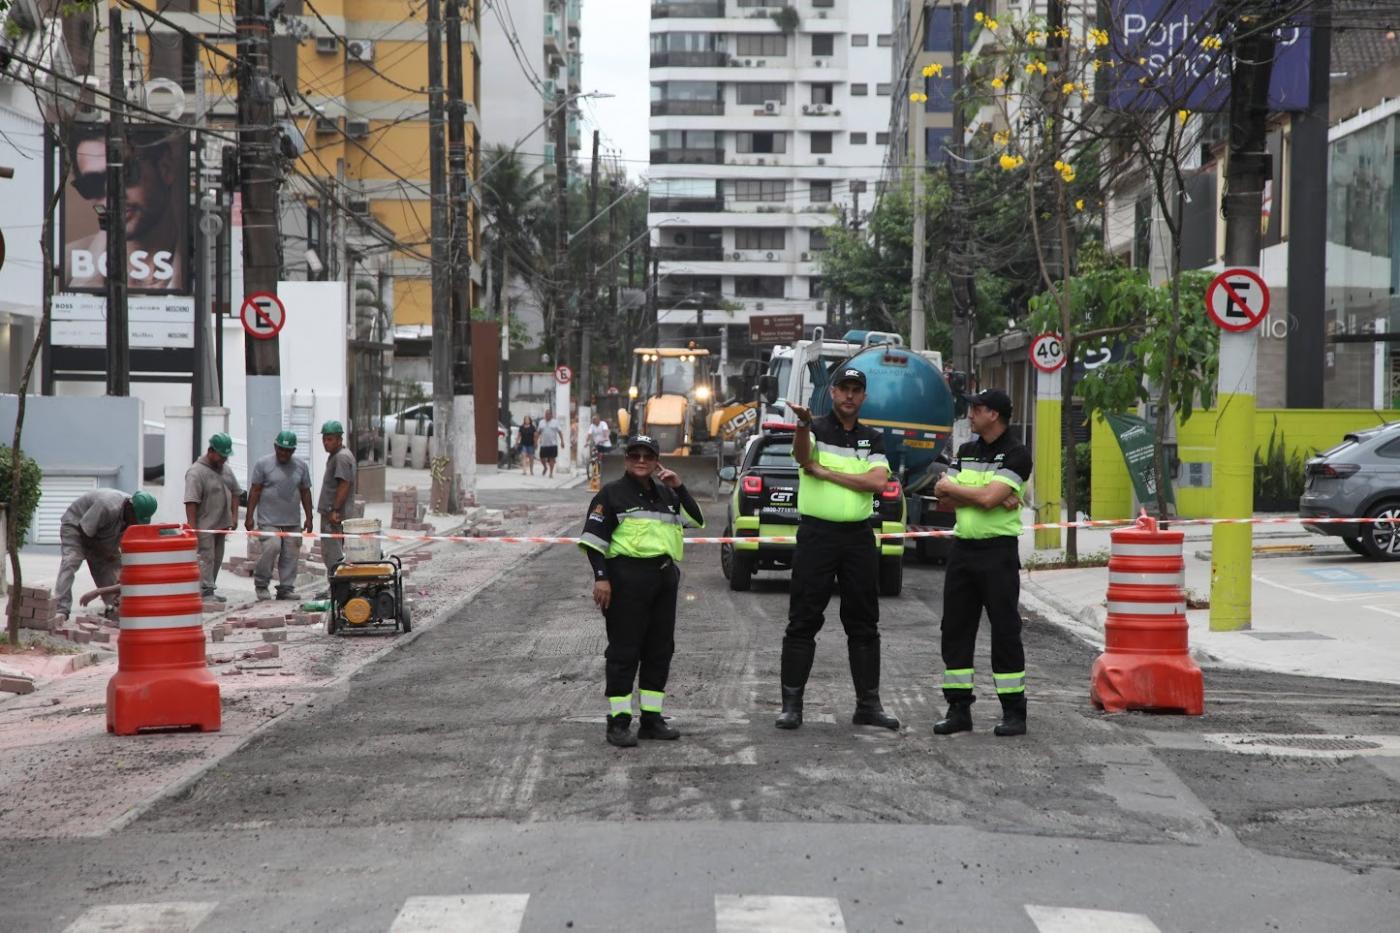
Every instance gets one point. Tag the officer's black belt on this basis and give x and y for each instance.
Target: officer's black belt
(660, 561)
(986, 544)
(862, 525)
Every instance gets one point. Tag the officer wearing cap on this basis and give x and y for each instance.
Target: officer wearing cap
(843, 469)
(985, 484)
(279, 483)
(633, 539)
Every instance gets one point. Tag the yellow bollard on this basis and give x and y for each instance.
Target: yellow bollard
(1048, 459)
(1232, 482)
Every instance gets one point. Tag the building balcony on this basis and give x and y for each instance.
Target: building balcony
(575, 16)
(551, 35)
(687, 157)
(687, 108)
(685, 205)
(689, 59)
(686, 9)
(689, 253)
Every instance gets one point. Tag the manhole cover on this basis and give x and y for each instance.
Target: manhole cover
(1315, 743)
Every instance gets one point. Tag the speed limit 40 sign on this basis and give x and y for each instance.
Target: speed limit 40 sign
(1047, 353)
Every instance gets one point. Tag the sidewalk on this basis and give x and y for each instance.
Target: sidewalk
(1318, 609)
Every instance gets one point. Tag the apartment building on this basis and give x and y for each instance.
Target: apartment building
(769, 122)
(531, 50)
(923, 36)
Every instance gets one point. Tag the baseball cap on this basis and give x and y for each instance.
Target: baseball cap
(995, 399)
(644, 440)
(849, 374)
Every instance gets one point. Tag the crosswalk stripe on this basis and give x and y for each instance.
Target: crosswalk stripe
(462, 913)
(1074, 920)
(740, 913)
(167, 917)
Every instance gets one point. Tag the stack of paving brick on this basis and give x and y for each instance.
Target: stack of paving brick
(35, 607)
(408, 511)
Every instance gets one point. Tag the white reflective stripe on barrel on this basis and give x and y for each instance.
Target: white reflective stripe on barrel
(148, 622)
(1116, 607)
(1145, 550)
(145, 559)
(189, 588)
(1147, 579)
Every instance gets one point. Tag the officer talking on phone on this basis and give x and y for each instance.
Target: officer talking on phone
(633, 539)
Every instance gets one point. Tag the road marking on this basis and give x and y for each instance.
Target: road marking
(1074, 920)
(756, 914)
(168, 917)
(462, 913)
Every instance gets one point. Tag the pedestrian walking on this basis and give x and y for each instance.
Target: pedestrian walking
(985, 483)
(337, 486)
(527, 446)
(634, 541)
(91, 531)
(843, 469)
(279, 483)
(211, 505)
(550, 436)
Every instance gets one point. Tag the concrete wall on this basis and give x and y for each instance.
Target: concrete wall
(72, 433)
(1303, 430)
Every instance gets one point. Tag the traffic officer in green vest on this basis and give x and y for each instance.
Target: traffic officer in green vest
(843, 469)
(633, 539)
(985, 484)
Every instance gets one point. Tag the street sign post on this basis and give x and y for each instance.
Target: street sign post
(263, 315)
(1237, 300)
(1047, 353)
(775, 328)
(563, 374)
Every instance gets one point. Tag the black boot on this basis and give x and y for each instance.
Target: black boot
(791, 716)
(654, 727)
(958, 718)
(620, 731)
(1013, 715)
(865, 676)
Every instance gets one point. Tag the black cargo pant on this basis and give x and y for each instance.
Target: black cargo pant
(830, 555)
(981, 575)
(641, 622)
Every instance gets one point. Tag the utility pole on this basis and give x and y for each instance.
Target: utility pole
(444, 495)
(463, 429)
(259, 179)
(917, 327)
(960, 279)
(1232, 555)
(561, 223)
(118, 337)
(590, 305)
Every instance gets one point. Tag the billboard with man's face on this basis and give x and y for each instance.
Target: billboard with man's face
(157, 210)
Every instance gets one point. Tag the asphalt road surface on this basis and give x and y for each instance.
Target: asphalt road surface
(463, 784)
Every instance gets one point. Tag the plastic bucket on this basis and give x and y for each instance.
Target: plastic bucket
(362, 549)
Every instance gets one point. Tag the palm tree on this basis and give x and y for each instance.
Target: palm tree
(510, 201)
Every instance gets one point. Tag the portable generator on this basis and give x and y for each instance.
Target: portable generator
(368, 595)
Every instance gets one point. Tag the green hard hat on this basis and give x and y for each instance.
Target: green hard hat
(222, 443)
(144, 505)
(332, 427)
(287, 440)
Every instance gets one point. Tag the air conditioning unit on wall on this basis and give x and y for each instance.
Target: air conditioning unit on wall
(772, 107)
(357, 129)
(359, 50)
(327, 45)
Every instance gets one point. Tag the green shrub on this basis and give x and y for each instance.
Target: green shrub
(1279, 475)
(1083, 455)
(31, 479)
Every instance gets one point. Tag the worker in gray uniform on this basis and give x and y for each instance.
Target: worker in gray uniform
(91, 530)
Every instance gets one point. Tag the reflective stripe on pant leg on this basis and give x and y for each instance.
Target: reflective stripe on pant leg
(651, 700)
(1010, 683)
(620, 706)
(957, 679)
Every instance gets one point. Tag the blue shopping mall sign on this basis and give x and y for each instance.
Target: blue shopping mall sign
(1165, 58)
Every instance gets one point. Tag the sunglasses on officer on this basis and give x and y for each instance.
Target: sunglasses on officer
(643, 456)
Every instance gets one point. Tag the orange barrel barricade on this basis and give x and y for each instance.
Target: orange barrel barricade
(1146, 663)
(162, 679)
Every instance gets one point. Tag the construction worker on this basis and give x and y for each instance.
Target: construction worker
(843, 469)
(985, 483)
(211, 504)
(337, 486)
(91, 530)
(276, 485)
(633, 539)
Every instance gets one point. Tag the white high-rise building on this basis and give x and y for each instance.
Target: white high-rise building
(769, 121)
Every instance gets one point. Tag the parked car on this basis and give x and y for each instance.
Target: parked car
(1359, 478)
(415, 420)
(763, 503)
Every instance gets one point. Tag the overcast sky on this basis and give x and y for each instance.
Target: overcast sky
(615, 61)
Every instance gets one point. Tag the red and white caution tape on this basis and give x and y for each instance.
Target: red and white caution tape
(914, 532)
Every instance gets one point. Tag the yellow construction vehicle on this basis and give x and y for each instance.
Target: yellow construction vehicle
(670, 398)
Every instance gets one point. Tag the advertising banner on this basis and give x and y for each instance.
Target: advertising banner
(1134, 436)
(157, 211)
(1167, 57)
(155, 322)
